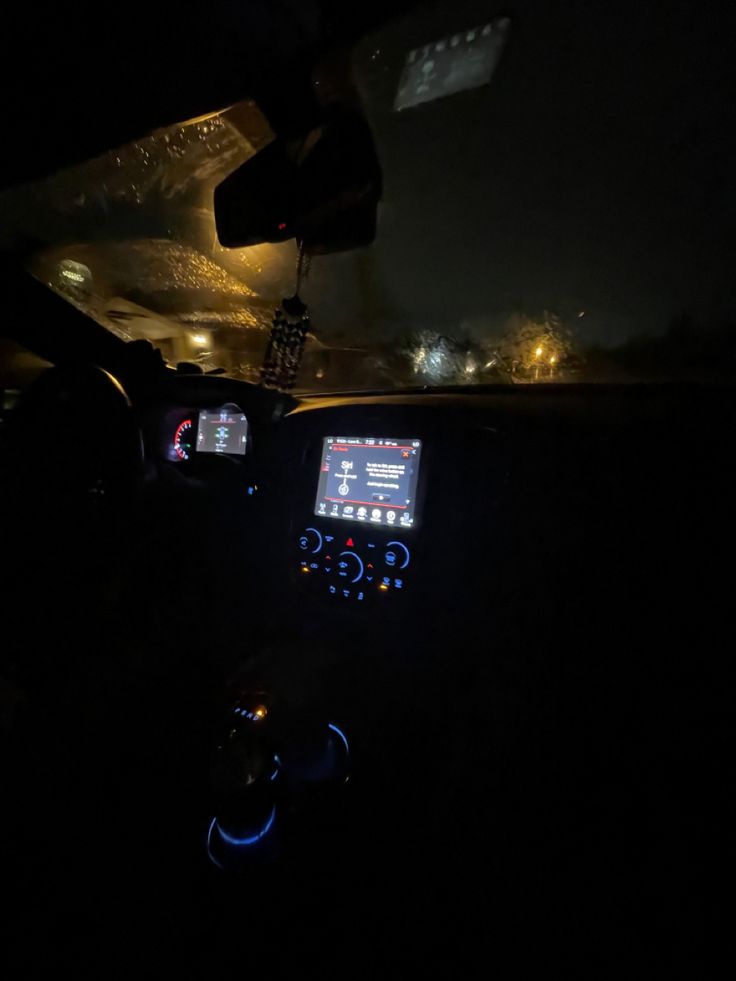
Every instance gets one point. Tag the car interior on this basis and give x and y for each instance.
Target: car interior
(369, 679)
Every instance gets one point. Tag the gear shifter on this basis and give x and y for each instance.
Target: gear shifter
(268, 767)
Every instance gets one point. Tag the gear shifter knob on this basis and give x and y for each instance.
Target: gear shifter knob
(243, 771)
(266, 759)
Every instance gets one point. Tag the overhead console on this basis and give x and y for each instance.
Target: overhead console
(358, 543)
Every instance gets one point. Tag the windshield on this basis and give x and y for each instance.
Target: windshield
(557, 212)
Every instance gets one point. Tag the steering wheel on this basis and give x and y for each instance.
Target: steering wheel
(72, 461)
(74, 438)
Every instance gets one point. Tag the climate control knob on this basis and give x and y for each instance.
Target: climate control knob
(310, 541)
(396, 556)
(350, 566)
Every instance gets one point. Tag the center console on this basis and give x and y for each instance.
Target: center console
(356, 543)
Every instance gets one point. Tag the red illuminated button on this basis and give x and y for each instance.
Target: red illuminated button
(350, 543)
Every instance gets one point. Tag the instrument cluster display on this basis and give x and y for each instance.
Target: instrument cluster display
(184, 440)
(220, 430)
(223, 430)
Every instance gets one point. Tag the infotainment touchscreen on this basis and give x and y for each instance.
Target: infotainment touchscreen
(369, 479)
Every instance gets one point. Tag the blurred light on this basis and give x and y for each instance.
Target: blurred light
(199, 339)
(238, 842)
(74, 272)
(538, 352)
(383, 587)
(305, 569)
(434, 361)
(260, 712)
(209, 846)
(552, 359)
(419, 359)
(340, 733)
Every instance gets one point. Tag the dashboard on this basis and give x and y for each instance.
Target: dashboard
(339, 505)
(438, 508)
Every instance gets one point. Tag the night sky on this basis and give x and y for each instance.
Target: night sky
(594, 173)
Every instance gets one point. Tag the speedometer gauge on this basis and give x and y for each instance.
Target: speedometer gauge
(184, 439)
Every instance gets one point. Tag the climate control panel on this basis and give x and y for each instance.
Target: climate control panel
(352, 566)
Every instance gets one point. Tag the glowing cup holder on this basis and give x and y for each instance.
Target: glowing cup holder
(254, 785)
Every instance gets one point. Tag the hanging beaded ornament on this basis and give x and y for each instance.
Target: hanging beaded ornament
(289, 329)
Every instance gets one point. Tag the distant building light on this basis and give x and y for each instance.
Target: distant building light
(74, 272)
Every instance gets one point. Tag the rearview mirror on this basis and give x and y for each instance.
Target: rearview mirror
(322, 190)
